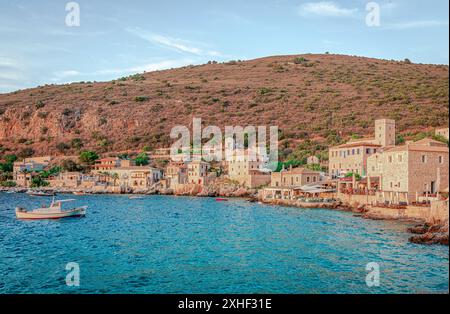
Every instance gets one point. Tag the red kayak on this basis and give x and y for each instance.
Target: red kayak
(221, 200)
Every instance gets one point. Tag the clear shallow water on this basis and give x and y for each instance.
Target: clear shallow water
(195, 245)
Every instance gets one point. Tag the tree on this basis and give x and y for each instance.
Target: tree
(51, 172)
(115, 177)
(26, 152)
(38, 181)
(8, 184)
(350, 174)
(88, 157)
(7, 166)
(62, 147)
(399, 139)
(141, 159)
(10, 158)
(70, 165)
(76, 143)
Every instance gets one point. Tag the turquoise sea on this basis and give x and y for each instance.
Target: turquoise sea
(163, 244)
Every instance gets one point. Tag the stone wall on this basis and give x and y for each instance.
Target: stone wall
(439, 212)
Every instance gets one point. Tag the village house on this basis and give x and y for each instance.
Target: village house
(296, 177)
(107, 164)
(161, 153)
(124, 174)
(134, 177)
(22, 169)
(176, 174)
(351, 157)
(248, 171)
(198, 173)
(410, 173)
(444, 132)
(23, 179)
(293, 184)
(66, 180)
(313, 160)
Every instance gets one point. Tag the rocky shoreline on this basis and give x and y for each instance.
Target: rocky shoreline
(429, 234)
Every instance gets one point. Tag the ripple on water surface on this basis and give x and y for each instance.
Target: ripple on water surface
(163, 244)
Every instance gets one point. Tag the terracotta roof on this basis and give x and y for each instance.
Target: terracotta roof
(363, 139)
(357, 144)
(419, 148)
(429, 142)
(108, 159)
(300, 171)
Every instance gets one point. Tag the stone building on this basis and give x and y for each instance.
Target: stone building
(248, 170)
(197, 172)
(107, 164)
(22, 169)
(313, 160)
(444, 132)
(66, 180)
(412, 171)
(352, 156)
(23, 179)
(296, 177)
(176, 174)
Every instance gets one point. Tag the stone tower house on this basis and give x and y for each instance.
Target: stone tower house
(385, 132)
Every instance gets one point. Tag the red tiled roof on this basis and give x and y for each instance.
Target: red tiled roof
(300, 171)
(357, 144)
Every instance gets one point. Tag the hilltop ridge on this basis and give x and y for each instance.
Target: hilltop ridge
(323, 98)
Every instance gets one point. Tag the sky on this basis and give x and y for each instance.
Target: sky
(41, 42)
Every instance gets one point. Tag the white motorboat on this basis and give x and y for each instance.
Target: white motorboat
(54, 211)
(136, 197)
(40, 193)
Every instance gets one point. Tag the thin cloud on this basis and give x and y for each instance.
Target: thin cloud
(416, 24)
(11, 72)
(66, 73)
(6, 62)
(325, 9)
(69, 75)
(176, 44)
(149, 67)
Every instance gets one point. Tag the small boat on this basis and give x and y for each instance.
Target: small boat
(136, 197)
(54, 211)
(221, 200)
(79, 193)
(31, 193)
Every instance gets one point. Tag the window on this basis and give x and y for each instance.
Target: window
(390, 159)
(307, 179)
(400, 158)
(441, 159)
(424, 158)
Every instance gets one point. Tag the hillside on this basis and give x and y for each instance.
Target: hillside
(327, 98)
